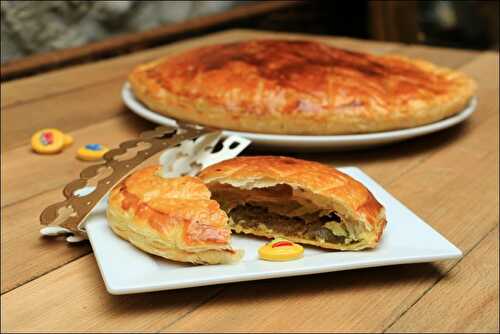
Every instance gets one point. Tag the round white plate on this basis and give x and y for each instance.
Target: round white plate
(308, 143)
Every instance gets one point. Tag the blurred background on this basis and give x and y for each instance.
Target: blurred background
(37, 36)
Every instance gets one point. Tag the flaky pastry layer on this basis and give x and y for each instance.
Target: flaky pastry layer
(297, 190)
(172, 218)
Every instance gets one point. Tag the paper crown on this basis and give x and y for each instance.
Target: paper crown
(188, 149)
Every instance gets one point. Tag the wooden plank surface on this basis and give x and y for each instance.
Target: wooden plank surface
(31, 174)
(437, 177)
(31, 185)
(87, 306)
(471, 301)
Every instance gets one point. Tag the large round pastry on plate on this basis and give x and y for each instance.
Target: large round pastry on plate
(299, 87)
(172, 218)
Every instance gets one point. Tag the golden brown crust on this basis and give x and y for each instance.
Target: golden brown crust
(299, 87)
(173, 218)
(329, 187)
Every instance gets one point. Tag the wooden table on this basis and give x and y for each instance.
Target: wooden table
(450, 179)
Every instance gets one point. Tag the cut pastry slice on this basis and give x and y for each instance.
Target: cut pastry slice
(302, 201)
(172, 218)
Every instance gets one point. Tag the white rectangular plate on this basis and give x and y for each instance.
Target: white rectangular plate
(125, 269)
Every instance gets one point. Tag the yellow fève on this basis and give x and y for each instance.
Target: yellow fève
(91, 155)
(281, 253)
(56, 145)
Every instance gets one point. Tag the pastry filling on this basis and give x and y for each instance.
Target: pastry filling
(279, 210)
(260, 219)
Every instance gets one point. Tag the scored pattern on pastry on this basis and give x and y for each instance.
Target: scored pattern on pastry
(66, 216)
(299, 87)
(174, 218)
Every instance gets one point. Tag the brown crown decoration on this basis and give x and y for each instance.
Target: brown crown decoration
(74, 209)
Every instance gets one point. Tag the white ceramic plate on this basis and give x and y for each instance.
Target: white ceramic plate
(307, 143)
(125, 269)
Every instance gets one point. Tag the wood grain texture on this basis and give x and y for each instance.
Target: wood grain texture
(67, 112)
(73, 298)
(437, 176)
(466, 300)
(25, 253)
(341, 301)
(26, 174)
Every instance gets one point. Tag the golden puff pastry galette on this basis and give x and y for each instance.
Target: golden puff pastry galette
(302, 201)
(172, 218)
(299, 87)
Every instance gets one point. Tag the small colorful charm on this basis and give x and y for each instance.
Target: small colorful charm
(48, 141)
(281, 250)
(91, 152)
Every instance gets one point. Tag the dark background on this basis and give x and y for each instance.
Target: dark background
(469, 24)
